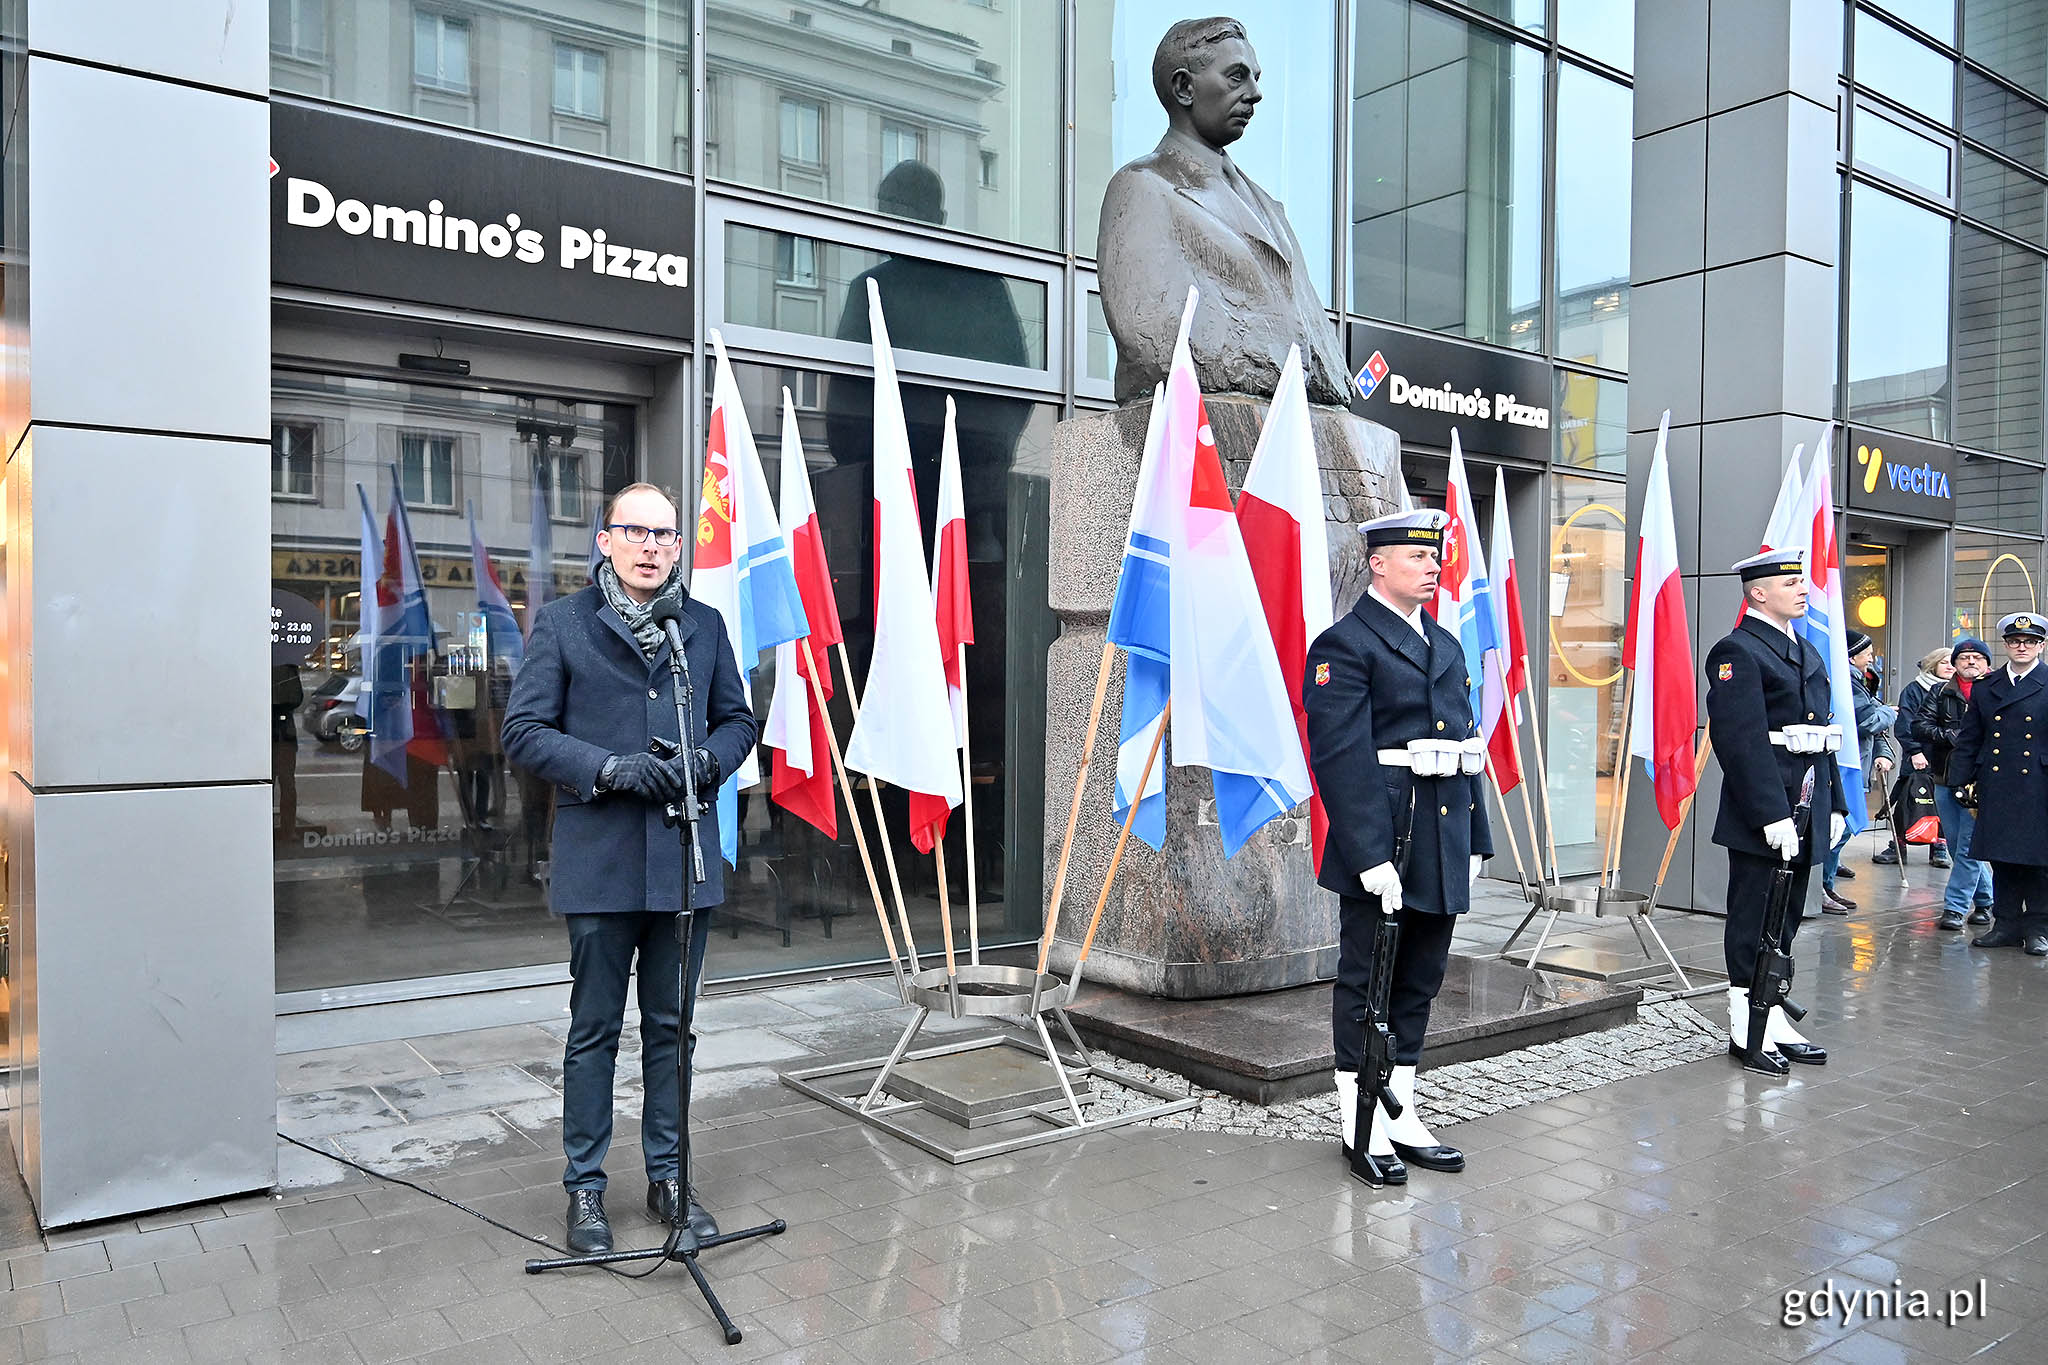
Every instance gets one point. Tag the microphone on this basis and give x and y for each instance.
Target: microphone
(668, 614)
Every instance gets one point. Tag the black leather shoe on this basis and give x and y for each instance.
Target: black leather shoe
(1951, 919)
(1388, 1168)
(1807, 1054)
(2037, 945)
(1773, 1062)
(1846, 873)
(1981, 915)
(1997, 938)
(589, 1230)
(663, 1196)
(1835, 903)
(1437, 1158)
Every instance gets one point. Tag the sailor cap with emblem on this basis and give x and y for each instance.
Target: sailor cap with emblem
(2026, 625)
(1424, 526)
(1770, 564)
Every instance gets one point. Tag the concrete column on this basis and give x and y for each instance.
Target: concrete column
(1734, 230)
(138, 532)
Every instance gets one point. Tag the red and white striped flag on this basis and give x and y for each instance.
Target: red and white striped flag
(1658, 646)
(955, 612)
(1504, 595)
(800, 780)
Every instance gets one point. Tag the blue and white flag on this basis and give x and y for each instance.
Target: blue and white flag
(1140, 622)
(1826, 623)
(1463, 589)
(540, 545)
(368, 559)
(501, 628)
(405, 628)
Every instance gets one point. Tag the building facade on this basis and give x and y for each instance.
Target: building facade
(500, 238)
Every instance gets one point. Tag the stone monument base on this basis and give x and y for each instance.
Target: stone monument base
(1184, 922)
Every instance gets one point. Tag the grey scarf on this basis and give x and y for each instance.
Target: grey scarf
(639, 616)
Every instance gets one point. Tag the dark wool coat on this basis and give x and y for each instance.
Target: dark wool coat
(2002, 748)
(1760, 679)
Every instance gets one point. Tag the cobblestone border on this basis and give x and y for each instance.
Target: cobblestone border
(1667, 1032)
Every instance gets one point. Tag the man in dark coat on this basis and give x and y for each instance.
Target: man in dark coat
(2006, 725)
(1775, 731)
(590, 711)
(1389, 709)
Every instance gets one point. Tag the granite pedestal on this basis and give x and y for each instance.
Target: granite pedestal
(1183, 923)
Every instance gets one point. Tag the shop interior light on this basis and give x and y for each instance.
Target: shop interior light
(432, 364)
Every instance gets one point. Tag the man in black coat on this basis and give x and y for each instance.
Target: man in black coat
(2006, 725)
(590, 712)
(1388, 700)
(1775, 732)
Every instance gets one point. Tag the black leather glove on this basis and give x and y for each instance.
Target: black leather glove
(647, 777)
(704, 770)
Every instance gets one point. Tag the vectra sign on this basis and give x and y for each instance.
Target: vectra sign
(361, 206)
(1892, 473)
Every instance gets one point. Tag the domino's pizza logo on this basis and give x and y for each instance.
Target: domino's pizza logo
(1368, 379)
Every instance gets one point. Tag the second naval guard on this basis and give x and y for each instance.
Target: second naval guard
(1773, 725)
(1397, 755)
(2003, 749)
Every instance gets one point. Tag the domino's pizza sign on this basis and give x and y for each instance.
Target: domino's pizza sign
(1370, 374)
(1422, 386)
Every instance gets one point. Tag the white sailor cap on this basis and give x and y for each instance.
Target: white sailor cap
(1424, 526)
(2025, 624)
(1770, 564)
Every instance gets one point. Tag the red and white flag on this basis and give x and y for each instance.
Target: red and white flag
(800, 779)
(1502, 723)
(1280, 514)
(1784, 527)
(1658, 646)
(955, 612)
(902, 736)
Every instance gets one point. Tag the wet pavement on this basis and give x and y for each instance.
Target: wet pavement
(1693, 1212)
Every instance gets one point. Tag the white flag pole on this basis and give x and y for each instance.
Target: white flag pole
(967, 798)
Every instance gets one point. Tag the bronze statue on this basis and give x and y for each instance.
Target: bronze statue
(1186, 215)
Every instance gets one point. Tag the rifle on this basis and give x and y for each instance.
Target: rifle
(1771, 983)
(1376, 1054)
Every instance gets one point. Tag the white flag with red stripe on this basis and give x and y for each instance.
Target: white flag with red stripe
(800, 777)
(954, 610)
(1658, 646)
(1503, 594)
(1280, 515)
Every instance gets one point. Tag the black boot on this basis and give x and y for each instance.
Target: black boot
(663, 1196)
(589, 1230)
(2000, 936)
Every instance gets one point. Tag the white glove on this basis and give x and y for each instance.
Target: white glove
(1838, 825)
(1783, 837)
(1477, 863)
(1383, 881)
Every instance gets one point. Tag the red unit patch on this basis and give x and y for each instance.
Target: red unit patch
(1322, 675)
(1727, 672)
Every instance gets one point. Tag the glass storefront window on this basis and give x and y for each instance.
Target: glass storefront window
(1995, 575)
(1935, 18)
(1998, 494)
(2001, 345)
(1592, 422)
(1447, 176)
(1885, 145)
(1604, 30)
(831, 101)
(1101, 345)
(1898, 314)
(1288, 148)
(2010, 200)
(1594, 118)
(2009, 124)
(1588, 601)
(2006, 36)
(607, 77)
(402, 856)
(1905, 69)
(818, 288)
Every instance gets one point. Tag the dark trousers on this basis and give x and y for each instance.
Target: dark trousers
(1419, 957)
(602, 949)
(1749, 891)
(2019, 898)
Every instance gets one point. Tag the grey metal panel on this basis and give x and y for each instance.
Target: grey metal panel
(150, 599)
(24, 1093)
(1761, 48)
(150, 216)
(1664, 367)
(1770, 339)
(1744, 462)
(214, 42)
(153, 977)
(1682, 453)
(1771, 183)
(1668, 197)
(1671, 64)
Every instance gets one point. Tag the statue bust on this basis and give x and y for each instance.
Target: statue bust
(1184, 214)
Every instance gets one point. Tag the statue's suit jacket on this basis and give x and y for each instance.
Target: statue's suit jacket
(1171, 219)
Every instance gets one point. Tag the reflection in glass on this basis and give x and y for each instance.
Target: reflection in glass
(823, 101)
(606, 77)
(1604, 30)
(1995, 575)
(1101, 345)
(2007, 37)
(1288, 148)
(1593, 128)
(2008, 199)
(1592, 422)
(1905, 69)
(2000, 340)
(1998, 494)
(818, 288)
(1898, 314)
(1447, 180)
(1935, 18)
(1900, 152)
(1588, 602)
(2009, 124)
(407, 856)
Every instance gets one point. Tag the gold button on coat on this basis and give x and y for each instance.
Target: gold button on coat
(1439, 725)
(1443, 810)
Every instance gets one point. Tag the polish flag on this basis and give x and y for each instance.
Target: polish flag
(1504, 597)
(949, 575)
(901, 736)
(1280, 514)
(800, 777)
(1658, 646)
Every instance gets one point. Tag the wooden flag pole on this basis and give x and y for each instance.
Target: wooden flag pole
(1628, 777)
(1609, 852)
(1543, 791)
(1684, 809)
(1116, 858)
(860, 838)
(1059, 881)
(1528, 813)
(881, 826)
(1507, 828)
(946, 923)
(967, 799)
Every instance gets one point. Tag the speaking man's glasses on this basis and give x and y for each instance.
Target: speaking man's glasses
(664, 536)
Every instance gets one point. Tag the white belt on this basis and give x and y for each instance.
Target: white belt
(1437, 757)
(1808, 739)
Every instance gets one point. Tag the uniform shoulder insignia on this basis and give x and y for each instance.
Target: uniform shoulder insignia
(1322, 675)
(1727, 672)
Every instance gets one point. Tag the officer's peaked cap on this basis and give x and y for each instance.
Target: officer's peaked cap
(1770, 564)
(2026, 625)
(1421, 527)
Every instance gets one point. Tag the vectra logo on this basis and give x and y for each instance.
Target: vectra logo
(1923, 479)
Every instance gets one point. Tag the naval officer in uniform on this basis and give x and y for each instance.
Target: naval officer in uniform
(1773, 723)
(1396, 755)
(2003, 748)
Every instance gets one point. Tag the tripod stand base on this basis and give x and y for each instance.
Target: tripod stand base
(686, 1256)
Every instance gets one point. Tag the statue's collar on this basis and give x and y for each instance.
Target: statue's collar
(1197, 150)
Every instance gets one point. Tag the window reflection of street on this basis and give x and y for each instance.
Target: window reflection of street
(1587, 547)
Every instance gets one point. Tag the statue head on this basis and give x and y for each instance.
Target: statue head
(1206, 74)
(912, 189)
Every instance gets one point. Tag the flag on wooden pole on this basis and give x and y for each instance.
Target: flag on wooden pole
(1658, 646)
(800, 771)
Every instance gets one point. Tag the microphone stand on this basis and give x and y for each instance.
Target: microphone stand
(682, 1245)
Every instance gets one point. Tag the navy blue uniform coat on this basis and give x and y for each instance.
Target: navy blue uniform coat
(1372, 684)
(2002, 748)
(587, 692)
(1760, 679)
